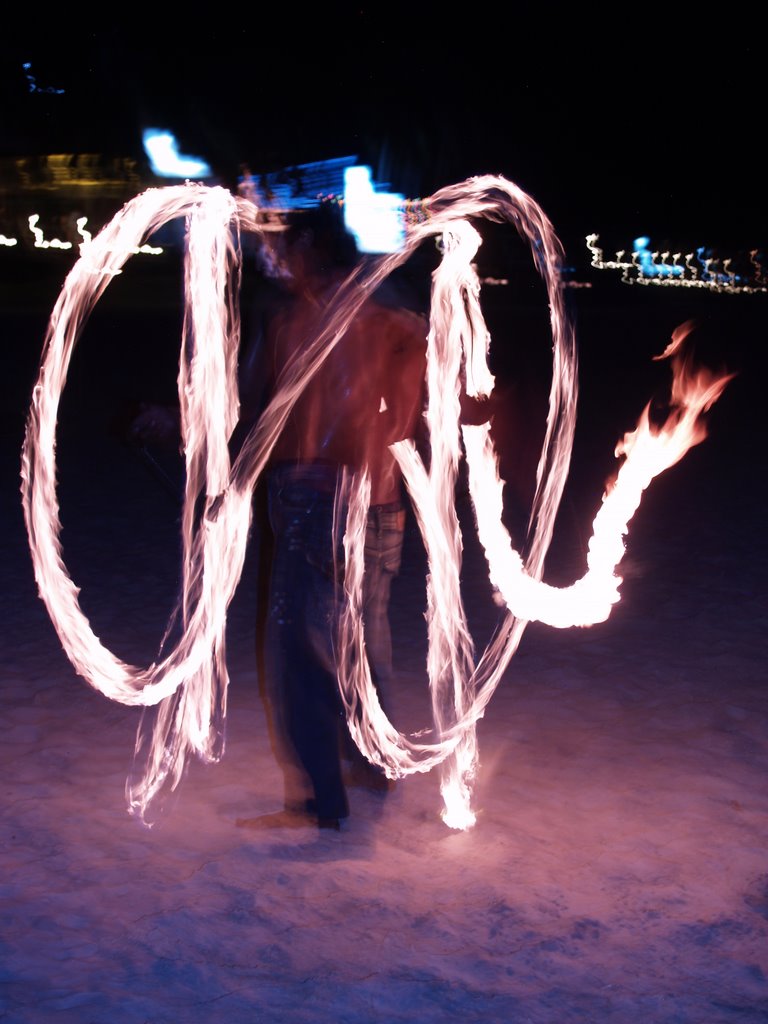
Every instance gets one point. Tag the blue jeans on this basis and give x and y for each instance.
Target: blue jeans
(305, 596)
(383, 555)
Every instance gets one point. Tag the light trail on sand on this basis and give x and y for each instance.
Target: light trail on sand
(188, 686)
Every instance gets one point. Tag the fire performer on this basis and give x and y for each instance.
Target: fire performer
(189, 685)
(368, 394)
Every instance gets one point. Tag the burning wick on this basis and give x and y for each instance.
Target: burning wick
(188, 687)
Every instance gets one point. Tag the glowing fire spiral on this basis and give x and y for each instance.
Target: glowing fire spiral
(188, 686)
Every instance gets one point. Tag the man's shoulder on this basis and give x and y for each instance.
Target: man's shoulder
(400, 318)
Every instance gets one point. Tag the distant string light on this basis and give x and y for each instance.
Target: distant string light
(415, 211)
(41, 242)
(694, 270)
(759, 270)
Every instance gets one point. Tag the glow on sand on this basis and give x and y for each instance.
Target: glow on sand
(189, 684)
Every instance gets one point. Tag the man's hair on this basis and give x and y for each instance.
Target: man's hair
(323, 229)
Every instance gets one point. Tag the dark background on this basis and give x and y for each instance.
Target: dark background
(618, 119)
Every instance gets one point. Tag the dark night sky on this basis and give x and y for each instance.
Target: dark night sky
(616, 122)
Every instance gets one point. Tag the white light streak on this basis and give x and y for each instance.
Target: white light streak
(55, 243)
(40, 240)
(374, 217)
(162, 149)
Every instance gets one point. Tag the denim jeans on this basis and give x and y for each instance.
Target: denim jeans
(383, 554)
(305, 595)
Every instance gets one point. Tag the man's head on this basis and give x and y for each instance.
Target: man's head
(317, 243)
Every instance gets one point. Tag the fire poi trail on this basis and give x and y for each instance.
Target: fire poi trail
(189, 684)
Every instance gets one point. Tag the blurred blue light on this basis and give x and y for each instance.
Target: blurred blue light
(165, 160)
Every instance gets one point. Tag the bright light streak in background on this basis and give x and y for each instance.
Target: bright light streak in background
(165, 160)
(374, 218)
(188, 686)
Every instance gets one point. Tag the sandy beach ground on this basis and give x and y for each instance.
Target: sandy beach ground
(618, 870)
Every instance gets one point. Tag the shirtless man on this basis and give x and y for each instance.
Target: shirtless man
(368, 393)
